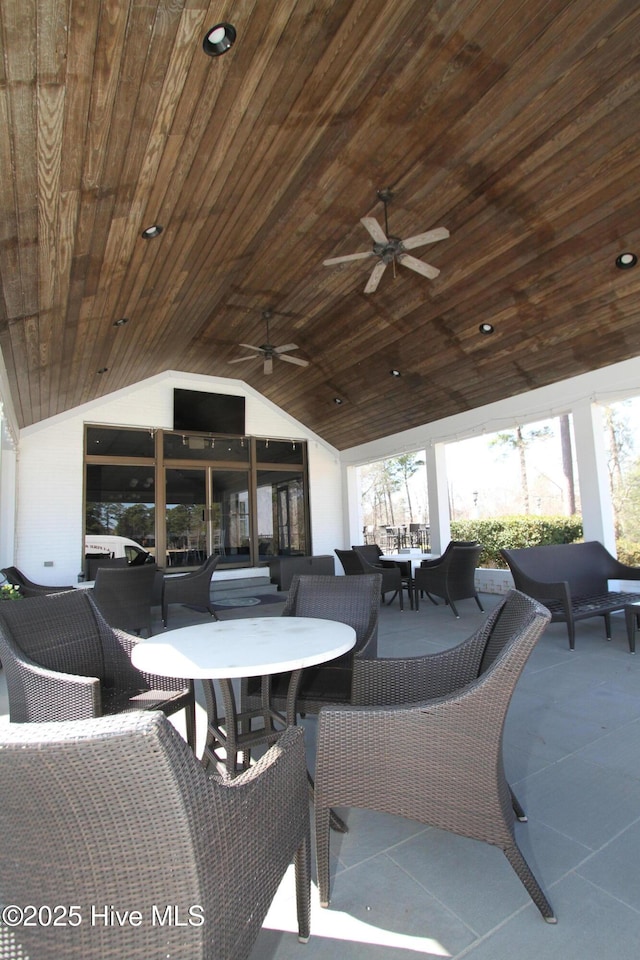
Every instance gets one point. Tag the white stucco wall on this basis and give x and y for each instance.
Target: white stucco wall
(49, 516)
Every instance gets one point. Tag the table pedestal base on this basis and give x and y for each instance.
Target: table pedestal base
(233, 733)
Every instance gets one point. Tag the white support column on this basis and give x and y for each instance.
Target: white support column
(438, 494)
(8, 466)
(595, 491)
(352, 507)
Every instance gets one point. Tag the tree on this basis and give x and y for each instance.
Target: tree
(400, 470)
(136, 521)
(516, 440)
(567, 463)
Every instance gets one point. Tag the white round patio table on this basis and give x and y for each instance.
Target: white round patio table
(225, 650)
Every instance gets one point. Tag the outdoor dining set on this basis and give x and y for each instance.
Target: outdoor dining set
(90, 766)
(89, 749)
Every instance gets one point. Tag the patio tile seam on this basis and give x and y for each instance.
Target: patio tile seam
(434, 896)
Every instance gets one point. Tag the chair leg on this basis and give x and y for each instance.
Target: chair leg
(478, 602)
(521, 867)
(453, 607)
(322, 854)
(517, 807)
(190, 720)
(303, 889)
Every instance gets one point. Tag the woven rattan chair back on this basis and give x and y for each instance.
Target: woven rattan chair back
(115, 820)
(123, 596)
(192, 588)
(437, 761)
(63, 661)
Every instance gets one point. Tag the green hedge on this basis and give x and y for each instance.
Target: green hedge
(514, 532)
(628, 552)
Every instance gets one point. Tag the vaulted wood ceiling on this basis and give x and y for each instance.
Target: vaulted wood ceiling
(513, 124)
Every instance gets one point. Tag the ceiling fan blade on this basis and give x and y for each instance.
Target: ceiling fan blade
(374, 229)
(250, 346)
(296, 360)
(268, 365)
(242, 359)
(414, 264)
(286, 349)
(431, 236)
(349, 256)
(374, 279)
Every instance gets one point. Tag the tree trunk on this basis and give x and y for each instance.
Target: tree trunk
(567, 463)
(520, 442)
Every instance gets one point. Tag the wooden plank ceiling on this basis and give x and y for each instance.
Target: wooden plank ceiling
(514, 125)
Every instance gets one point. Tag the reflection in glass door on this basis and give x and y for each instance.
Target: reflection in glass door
(282, 519)
(185, 517)
(207, 511)
(230, 527)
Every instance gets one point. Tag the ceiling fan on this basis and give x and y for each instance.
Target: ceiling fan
(389, 249)
(267, 351)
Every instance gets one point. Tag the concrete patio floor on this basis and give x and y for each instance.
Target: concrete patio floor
(572, 754)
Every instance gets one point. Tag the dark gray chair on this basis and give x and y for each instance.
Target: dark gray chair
(451, 576)
(63, 661)
(329, 598)
(432, 751)
(27, 587)
(192, 588)
(370, 551)
(94, 563)
(117, 814)
(123, 596)
(395, 576)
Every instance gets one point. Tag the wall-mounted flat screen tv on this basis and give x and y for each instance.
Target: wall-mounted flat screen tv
(208, 412)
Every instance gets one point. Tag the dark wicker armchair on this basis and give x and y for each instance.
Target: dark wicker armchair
(193, 588)
(370, 551)
(451, 576)
(330, 598)
(124, 596)
(27, 587)
(117, 814)
(433, 751)
(63, 661)
(355, 564)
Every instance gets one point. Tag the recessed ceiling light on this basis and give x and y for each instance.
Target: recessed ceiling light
(121, 322)
(150, 232)
(395, 373)
(626, 260)
(219, 39)
(337, 400)
(103, 369)
(486, 329)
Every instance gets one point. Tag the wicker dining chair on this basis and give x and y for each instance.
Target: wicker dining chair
(370, 551)
(192, 588)
(63, 661)
(432, 751)
(123, 596)
(395, 576)
(451, 576)
(116, 814)
(356, 603)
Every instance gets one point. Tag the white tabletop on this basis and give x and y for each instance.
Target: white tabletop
(247, 647)
(414, 558)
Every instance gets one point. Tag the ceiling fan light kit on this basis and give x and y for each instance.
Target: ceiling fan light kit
(392, 250)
